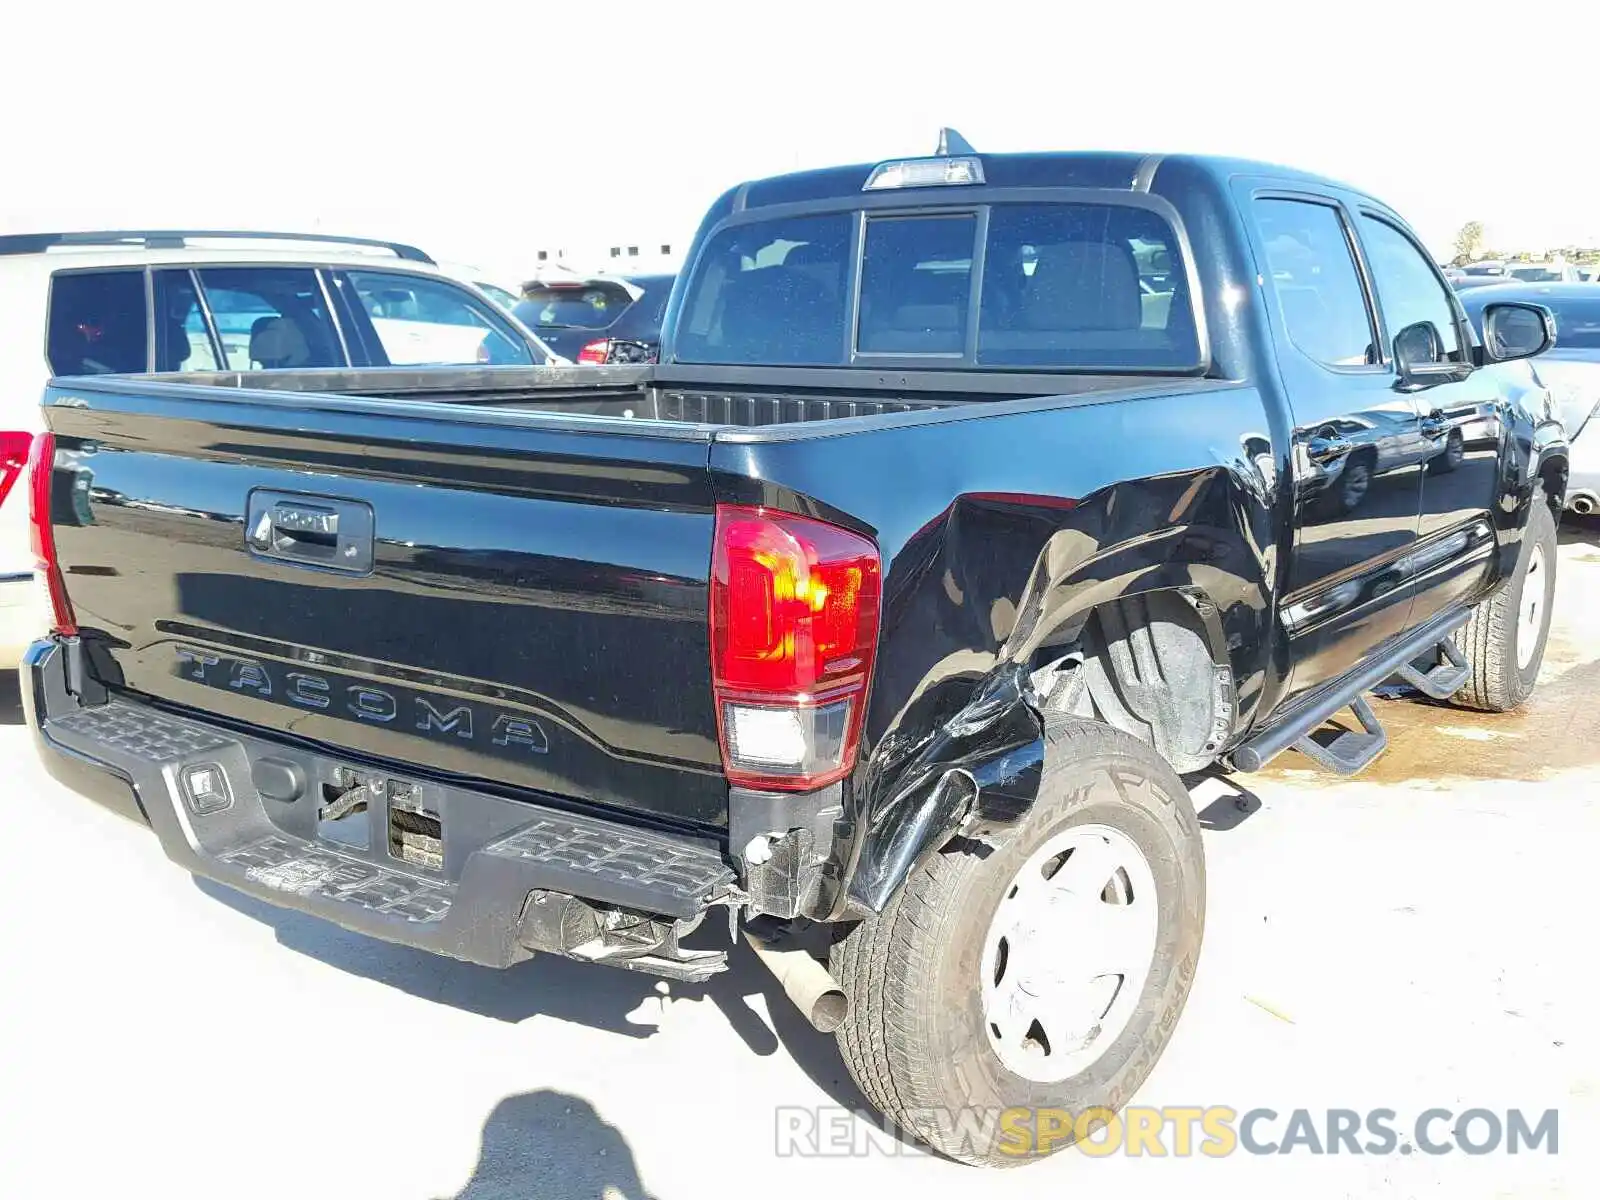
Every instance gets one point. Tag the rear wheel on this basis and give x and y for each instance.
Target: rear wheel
(1454, 453)
(1505, 637)
(1046, 974)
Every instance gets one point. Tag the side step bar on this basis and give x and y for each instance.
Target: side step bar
(1443, 680)
(1352, 751)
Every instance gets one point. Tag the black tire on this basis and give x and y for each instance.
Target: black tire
(1489, 638)
(1455, 450)
(915, 1039)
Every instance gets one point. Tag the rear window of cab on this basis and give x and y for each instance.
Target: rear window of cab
(1088, 286)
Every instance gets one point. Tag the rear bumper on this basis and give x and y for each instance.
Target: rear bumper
(503, 866)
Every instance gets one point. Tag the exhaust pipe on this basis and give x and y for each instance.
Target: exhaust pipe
(805, 981)
(1585, 504)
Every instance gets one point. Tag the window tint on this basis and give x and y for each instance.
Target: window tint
(97, 323)
(1077, 285)
(1314, 276)
(271, 318)
(1408, 290)
(771, 292)
(182, 340)
(916, 280)
(577, 306)
(421, 321)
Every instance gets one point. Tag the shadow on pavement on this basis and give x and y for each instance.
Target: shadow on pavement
(1578, 531)
(600, 997)
(547, 1145)
(10, 699)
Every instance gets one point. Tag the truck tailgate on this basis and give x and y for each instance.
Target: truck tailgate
(475, 594)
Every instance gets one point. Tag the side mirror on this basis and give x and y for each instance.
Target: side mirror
(1512, 331)
(1419, 357)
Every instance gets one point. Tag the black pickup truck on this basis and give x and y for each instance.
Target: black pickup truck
(975, 500)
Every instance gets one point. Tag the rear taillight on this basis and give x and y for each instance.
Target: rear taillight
(794, 626)
(41, 467)
(595, 352)
(14, 449)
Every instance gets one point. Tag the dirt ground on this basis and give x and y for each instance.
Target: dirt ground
(1418, 937)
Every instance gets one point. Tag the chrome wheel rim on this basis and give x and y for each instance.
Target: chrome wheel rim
(1069, 950)
(1530, 613)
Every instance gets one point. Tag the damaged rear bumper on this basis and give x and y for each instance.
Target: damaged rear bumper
(443, 868)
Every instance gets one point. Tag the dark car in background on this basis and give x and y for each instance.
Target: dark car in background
(1570, 370)
(601, 320)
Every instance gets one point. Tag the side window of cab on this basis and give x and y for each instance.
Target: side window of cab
(98, 323)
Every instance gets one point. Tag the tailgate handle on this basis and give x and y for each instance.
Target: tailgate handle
(314, 531)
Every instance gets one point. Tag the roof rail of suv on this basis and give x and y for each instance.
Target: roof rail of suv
(176, 239)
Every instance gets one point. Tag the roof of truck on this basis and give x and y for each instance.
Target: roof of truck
(1128, 170)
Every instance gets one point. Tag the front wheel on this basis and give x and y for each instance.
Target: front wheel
(1047, 974)
(1504, 639)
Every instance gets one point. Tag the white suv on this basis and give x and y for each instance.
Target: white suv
(122, 302)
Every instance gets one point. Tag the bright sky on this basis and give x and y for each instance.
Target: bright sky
(480, 130)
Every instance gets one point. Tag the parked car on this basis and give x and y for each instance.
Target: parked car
(1571, 372)
(600, 320)
(890, 606)
(119, 302)
(1479, 274)
(1543, 272)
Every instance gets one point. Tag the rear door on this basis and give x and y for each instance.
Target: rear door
(460, 592)
(1357, 483)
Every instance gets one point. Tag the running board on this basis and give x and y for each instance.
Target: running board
(1444, 679)
(1296, 725)
(1350, 751)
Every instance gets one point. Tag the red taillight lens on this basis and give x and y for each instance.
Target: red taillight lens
(794, 626)
(14, 448)
(41, 467)
(595, 352)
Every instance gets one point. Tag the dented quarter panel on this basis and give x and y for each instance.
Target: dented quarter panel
(998, 538)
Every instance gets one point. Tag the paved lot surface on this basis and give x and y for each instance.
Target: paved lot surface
(1421, 938)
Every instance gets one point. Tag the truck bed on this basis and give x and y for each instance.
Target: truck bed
(707, 398)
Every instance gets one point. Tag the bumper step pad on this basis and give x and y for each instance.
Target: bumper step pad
(473, 910)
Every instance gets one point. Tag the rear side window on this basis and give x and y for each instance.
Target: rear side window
(423, 322)
(271, 318)
(98, 323)
(1314, 275)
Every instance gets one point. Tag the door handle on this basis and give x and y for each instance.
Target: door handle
(312, 531)
(1328, 449)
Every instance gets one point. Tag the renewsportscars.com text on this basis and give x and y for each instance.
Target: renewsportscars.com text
(1179, 1131)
